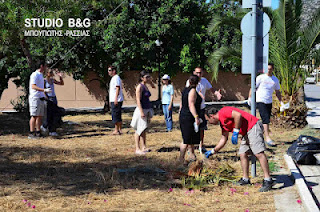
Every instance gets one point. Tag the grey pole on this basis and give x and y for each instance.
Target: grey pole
(253, 74)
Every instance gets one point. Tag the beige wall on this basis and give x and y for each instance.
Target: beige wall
(75, 94)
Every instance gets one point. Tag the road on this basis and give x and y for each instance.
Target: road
(312, 94)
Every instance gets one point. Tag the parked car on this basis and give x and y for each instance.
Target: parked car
(311, 79)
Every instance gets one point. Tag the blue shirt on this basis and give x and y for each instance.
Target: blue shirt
(167, 92)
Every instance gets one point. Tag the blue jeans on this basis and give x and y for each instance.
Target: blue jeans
(167, 116)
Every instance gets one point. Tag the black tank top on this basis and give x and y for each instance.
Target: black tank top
(185, 111)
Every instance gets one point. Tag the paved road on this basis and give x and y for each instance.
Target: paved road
(312, 94)
(312, 97)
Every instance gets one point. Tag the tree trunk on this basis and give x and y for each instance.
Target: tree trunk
(27, 53)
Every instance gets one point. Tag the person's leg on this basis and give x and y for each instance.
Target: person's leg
(114, 121)
(183, 148)
(202, 127)
(47, 116)
(170, 122)
(120, 118)
(137, 141)
(120, 127)
(266, 132)
(192, 155)
(144, 142)
(116, 129)
(32, 124)
(50, 117)
(245, 165)
(201, 139)
(166, 114)
(264, 164)
(38, 122)
(265, 113)
(267, 181)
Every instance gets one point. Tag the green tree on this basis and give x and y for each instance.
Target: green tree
(19, 54)
(224, 29)
(179, 24)
(291, 45)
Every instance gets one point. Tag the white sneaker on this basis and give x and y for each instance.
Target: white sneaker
(54, 134)
(43, 131)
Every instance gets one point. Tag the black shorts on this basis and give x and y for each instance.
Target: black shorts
(265, 112)
(116, 112)
(187, 130)
(203, 125)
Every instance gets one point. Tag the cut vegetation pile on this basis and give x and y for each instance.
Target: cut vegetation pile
(209, 173)
(294, 117)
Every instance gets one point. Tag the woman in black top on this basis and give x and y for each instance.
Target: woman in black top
(189, 110)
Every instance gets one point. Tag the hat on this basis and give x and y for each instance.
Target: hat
(166, 77)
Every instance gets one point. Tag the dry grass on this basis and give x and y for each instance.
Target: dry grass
(80, 170)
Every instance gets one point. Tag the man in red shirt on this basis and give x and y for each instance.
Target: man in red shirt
(240, 122)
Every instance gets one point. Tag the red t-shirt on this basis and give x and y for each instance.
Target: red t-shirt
(227, 123)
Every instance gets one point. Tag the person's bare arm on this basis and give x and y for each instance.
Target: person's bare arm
(191, 102)
(171, 103)
(249, 94)
(237, 118)
(35, 87)
(61, 82)
(278, 94)
(117, 94)
(138, 97)
(222, 142)
(217, 93)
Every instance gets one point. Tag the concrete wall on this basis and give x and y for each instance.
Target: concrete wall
(76, 94)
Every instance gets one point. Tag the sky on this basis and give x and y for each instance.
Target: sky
(275, 4)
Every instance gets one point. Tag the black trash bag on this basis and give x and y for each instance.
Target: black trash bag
(303, 149)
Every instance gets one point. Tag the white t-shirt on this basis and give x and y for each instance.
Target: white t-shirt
(265, 87)
(202, 87)
(36, 78)
(50, 84)
(114, 83)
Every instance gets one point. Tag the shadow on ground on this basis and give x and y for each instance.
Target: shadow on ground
(50, 175)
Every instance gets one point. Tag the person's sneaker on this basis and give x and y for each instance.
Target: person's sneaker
(54, 134)
(243, 182)
(44, 131)
(32, 136)
(38, 134)
(266, 186)
(271, 143)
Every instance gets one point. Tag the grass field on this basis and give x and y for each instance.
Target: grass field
(87, 169)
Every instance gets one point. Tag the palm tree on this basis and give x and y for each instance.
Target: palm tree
(291, 44)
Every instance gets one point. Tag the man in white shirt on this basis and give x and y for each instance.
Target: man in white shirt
(36, 100)
(266, 84)
(116, 99)
(202, 88)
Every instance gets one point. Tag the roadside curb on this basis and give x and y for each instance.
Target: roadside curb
(305, 195)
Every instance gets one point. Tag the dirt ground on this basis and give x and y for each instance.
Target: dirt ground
(87, 169)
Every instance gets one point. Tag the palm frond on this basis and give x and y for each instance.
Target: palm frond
(311, 33)
(223, 54)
